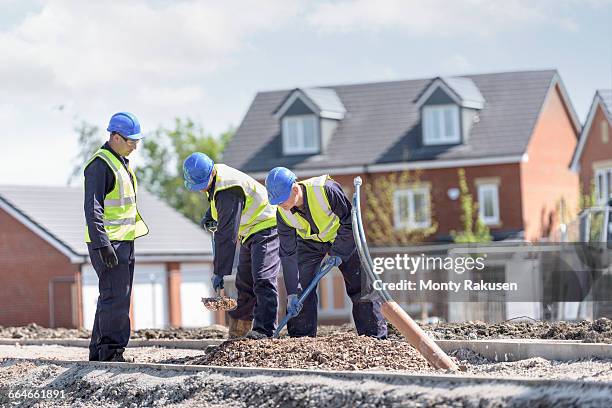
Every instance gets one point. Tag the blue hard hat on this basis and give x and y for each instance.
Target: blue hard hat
(278, 183)
(126, 125)
(197, 169)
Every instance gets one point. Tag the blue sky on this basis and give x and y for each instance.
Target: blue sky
(163, 59)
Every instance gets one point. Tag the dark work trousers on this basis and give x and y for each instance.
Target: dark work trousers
(111, 329)
(258, 268)
(367, 314)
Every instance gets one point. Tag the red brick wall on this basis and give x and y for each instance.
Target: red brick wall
(27, 264)
(546, 178)
(447, 212)
(594, 150)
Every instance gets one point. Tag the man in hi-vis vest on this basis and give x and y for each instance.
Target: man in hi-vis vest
(314, 220)
(239, 205)
(113, 223)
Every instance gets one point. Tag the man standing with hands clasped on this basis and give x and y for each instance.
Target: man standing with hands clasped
(113, 223)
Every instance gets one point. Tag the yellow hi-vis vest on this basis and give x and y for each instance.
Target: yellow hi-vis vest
(122, 222)
(324, 218)
(257, 214)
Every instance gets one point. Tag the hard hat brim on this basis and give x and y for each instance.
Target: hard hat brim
(196, 187)
(281, 199)
(137, 136)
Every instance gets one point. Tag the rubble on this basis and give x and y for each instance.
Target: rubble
(337, 352)
(598, 331)
(219, 303)
(214, 331)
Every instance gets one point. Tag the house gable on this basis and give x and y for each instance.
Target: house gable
(602, 105)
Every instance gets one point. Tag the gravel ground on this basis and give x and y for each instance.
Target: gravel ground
(102, 386)
(87, 386)
(598, 331)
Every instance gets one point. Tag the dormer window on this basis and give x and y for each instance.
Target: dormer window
(448, 108)
(300, 134)
(308, 118)
(441, 124)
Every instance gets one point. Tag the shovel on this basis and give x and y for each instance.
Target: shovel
(327, 266)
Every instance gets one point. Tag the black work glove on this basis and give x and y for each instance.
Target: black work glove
(108, 256)
(208, 223)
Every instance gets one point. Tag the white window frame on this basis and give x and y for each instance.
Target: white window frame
(410, 223)
(429, 137)
(482, 189)
(605, 174)
(300, 148)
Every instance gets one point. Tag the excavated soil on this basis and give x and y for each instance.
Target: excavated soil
(598, 331)
(219, 303)
(337, 352)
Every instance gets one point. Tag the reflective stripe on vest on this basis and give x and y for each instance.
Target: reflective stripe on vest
(257, 214)
(324, 218)
(122, 222)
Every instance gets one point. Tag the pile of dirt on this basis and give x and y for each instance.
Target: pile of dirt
(219, 303)
(337, 352)
(34, 331)
(215, 331)
(598, 331)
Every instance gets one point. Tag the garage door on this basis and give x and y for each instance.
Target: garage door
(149, 296)
(195, 284)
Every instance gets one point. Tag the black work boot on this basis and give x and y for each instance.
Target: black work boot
(119, 358)
(255, 335)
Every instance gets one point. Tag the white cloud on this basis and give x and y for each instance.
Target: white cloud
(439, 17)
(154, 58)
(457, 63)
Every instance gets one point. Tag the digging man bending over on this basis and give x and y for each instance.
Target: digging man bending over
(314, 220)
(240, 206)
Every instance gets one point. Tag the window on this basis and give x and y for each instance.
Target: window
(604, 131)
(603, 185)
(441, 124)
(411, 208)
(300, 134)
(488, 203)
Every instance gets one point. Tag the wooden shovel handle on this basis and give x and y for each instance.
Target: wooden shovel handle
(416, 336)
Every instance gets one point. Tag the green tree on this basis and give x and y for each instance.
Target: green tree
(474, 229)
(90, 139)
(163, 153)
(587, 199)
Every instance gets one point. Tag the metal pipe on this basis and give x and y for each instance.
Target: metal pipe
(390, 309)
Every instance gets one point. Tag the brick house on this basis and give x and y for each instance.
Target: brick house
(513, 133)
(47, 277)
(593, 156)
